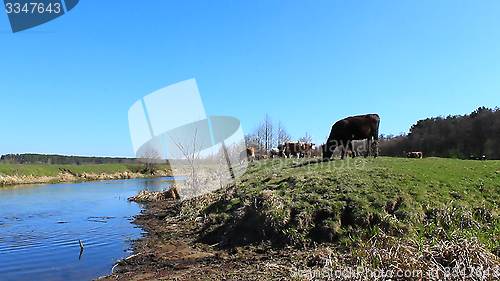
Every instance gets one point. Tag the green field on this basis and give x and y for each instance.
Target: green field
(53, 170)
(46, 170)
(300, 202)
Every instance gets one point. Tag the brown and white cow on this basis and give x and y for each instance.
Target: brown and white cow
(275, 152)
(415, 154)
(248, 153)
(307, 149)
(291, 149)
(296, 149)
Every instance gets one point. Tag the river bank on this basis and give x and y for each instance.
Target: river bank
(367, 220)
(170, 251)
(19, 174)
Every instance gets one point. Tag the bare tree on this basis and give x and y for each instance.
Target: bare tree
(261, 137)
(282, 134)
(265, 135)
(307, 138)
(151, 157)
(191, 155)
(268, 130)
(252, 140)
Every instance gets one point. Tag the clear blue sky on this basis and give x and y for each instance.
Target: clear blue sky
(66, 86)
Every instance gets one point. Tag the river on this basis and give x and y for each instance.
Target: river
(40, 227)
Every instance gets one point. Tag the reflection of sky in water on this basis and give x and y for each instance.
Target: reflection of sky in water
(40, 227)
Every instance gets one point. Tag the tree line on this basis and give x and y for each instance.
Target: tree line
(62, 159)
(459, 136)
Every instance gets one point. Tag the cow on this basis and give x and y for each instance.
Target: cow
(473, 157)
(317, 150)
(247, 154)
(306, 149)
(291, 149)
(275, 152)
(281, 149)
(415, 154)
(359, 127)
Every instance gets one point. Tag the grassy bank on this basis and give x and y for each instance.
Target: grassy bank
(347, 202)
(45, 173)
(373, 219)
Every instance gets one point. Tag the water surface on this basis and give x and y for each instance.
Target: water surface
(40, 227)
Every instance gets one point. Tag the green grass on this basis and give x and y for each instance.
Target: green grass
(345, 201)
(38, 170)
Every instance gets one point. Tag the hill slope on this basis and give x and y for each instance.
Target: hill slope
(299, 202)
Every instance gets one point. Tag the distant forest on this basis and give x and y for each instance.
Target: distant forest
(459, 136)
(61, 159)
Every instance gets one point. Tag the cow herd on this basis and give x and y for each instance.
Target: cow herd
(286, 150)
(294, 149)
(342, 134)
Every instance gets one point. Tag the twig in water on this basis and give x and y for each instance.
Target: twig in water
(81, 249)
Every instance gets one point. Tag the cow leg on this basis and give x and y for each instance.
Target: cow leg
(368, 143)
(374, 148)
(352, 149)
(344, 150)
(345, 147)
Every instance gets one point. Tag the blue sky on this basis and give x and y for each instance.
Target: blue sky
(66, 86)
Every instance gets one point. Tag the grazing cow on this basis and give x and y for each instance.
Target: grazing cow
(306, 149)
(317, 150)
(294, 149)
(281, 149)
(359, 127)
(274, 152)
(248, 153)
(473, 157)
(415, 154)
(291, 149)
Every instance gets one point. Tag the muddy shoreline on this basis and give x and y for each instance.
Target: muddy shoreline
(170, 251)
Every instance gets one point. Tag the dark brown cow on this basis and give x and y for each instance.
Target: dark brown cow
(359, 127)
(291, 149)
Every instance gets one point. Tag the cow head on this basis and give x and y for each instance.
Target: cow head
(327, 150)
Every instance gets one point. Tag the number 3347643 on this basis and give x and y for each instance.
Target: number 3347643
(32, 8)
